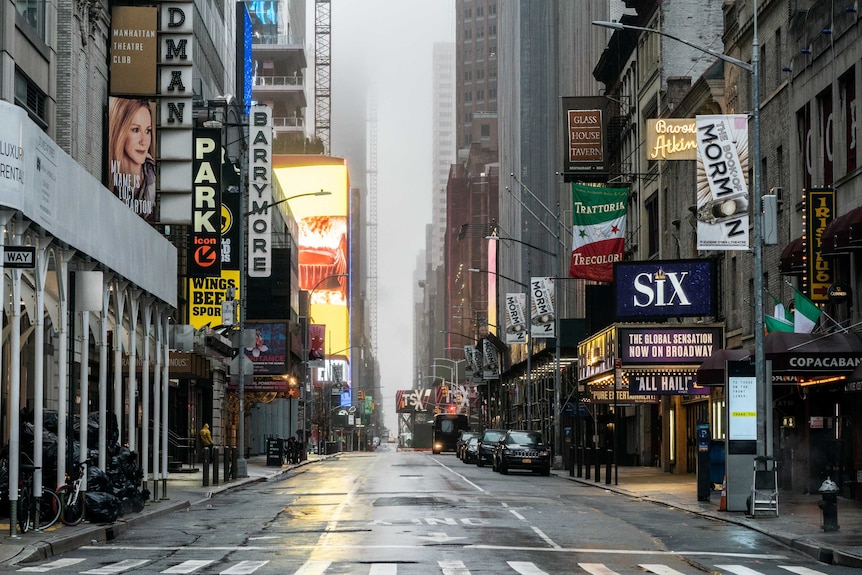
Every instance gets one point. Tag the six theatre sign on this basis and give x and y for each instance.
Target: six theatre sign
(665, 288)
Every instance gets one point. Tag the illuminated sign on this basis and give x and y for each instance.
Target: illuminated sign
(671, 139)
(260, 192)
(818, 212)
(663, 289)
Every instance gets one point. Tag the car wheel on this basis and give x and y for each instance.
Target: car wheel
(546, 472)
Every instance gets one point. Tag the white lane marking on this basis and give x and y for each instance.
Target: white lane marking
(467, 481)
(314, 568)
(383, 569)
(739, 569)
(660, 569)
(596, 569)
(244, 568)
(801, 570)
(453, 568)
(518, 515)
(525, 568)
(545, 538)
(189, 566)
(124, 565)
(332, 524)
(58, 564)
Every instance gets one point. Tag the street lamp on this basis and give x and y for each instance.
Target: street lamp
(764, 408)
(242, 464)
(306, 343)
(498, 274)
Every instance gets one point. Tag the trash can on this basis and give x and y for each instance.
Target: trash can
(275, 451)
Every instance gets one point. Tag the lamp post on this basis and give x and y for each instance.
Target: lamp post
(242, 464)
(306, 343)
(529, 336)
(764, 407)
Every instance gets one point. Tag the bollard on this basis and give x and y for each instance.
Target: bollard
(206, 473)
(228, 452)
(829, 504)
(588, 461)
(573, 453)
(598, 461)
(234, 460)
(215, 464)
(609, 461)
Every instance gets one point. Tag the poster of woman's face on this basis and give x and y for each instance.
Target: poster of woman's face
(131, 154)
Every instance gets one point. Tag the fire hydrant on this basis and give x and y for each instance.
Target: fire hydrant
(829, 504)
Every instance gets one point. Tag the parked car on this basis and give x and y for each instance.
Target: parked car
(471, 450)
(520, 449)
(461, 444)
(486, 445)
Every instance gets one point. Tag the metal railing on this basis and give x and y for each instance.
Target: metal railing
(292, 80)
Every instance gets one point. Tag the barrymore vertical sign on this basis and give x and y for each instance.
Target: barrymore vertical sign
(260, 192)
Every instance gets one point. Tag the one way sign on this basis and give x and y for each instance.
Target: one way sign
(19, 257)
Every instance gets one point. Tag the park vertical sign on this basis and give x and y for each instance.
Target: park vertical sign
(204, 255)
(260, 192)
(722, 192)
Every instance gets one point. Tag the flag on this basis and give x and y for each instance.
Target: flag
(598, 231)
(781, 318)
(806, 314)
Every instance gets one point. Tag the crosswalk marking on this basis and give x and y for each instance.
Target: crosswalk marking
(323, 567)
(58, 564)
(314, 568)
(660, 569)
(117, 567)
(453, 568)
(801, 570)
(525, 568)
(244, 568)
(739, 569)
(596, 569)
(189, 566)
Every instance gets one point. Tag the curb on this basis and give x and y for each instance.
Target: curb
(818, 551)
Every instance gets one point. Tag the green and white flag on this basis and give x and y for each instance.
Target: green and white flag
(806, 313)
(781, 318)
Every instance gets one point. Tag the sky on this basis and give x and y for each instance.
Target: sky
(385, 47)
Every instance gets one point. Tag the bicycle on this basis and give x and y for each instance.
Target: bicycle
(71, 497)
(35, 513)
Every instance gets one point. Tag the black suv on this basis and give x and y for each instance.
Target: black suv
(487, 441)
(519, 449)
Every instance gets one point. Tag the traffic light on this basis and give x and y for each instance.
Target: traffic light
(361, 395)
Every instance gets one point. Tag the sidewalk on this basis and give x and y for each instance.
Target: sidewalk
(798, 524)
(183, 490)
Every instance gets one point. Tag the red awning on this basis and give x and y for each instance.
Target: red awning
(711, 371)
(792, 261)
(843, 234)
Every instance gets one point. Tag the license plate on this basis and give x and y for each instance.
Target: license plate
(526, 461)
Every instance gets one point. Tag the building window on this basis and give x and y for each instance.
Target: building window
(492, 8)
(651, 207)
(492, 93)
(31, 98)
(468, 75)
(33, 12)
(485, 131)
(480, 95)
(492, 30)
(468, 96)
(468, 34)
(480, 11)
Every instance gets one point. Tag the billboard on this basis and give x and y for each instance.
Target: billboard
(542, 307)
(260, 192)
(134, 46)
(672, 345)
(204, 248)
(323, 239)
(662, 289)
(722, 192)
(132, 153)
(269, 352)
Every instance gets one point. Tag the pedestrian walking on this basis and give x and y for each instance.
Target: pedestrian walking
(206, 441)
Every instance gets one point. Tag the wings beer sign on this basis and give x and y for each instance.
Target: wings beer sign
(661, 289)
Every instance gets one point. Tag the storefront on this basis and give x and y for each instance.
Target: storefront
(640, 380)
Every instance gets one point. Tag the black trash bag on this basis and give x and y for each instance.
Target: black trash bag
(102, 507)
(98, 480)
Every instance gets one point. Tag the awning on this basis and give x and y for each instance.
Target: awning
(792, 261)
(843, 234)
(711, 371)
(823, 354)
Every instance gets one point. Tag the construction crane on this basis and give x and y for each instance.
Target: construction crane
(322, 71)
